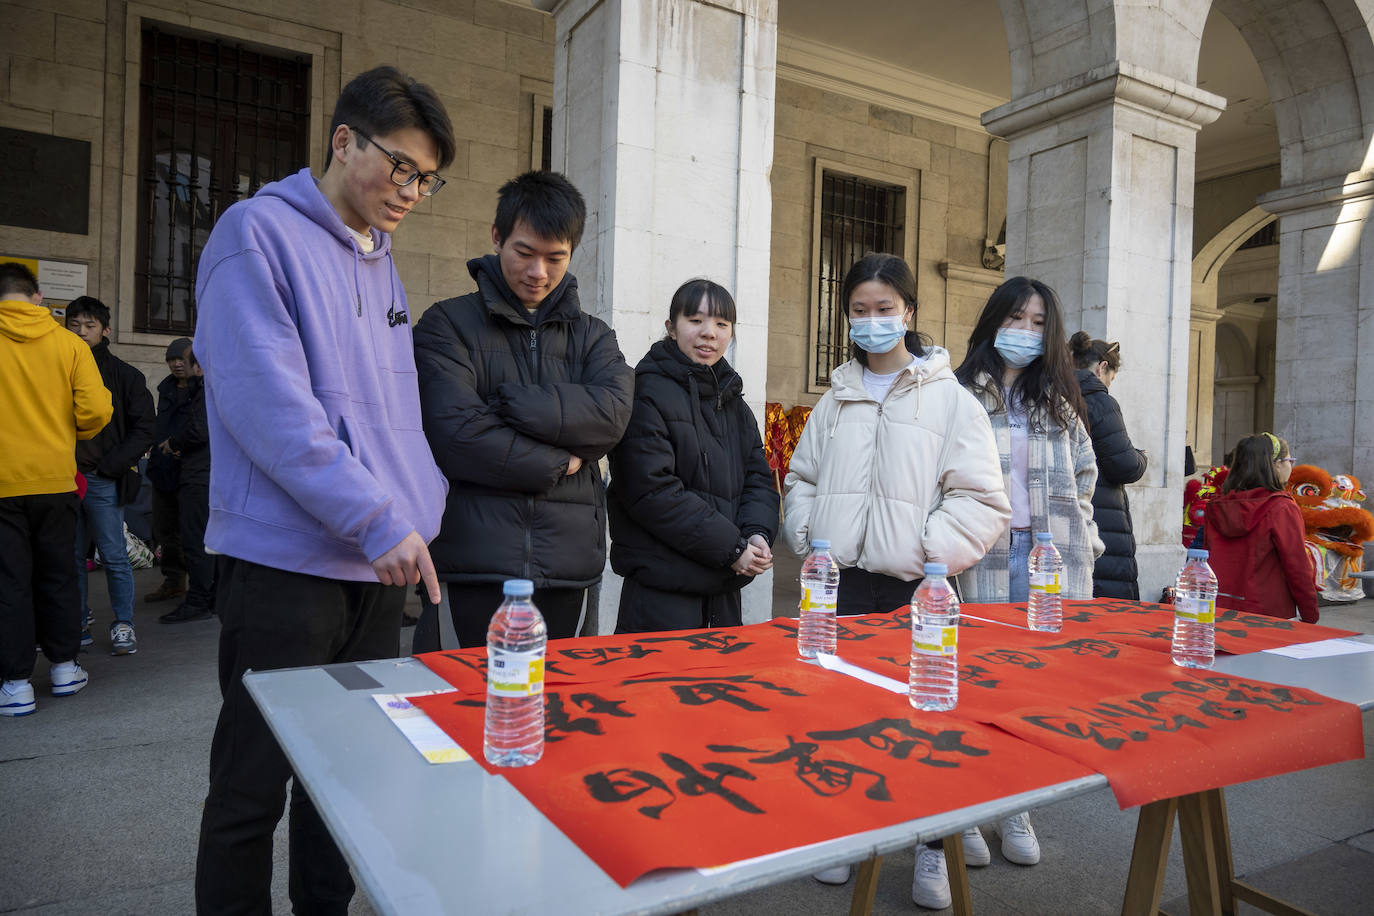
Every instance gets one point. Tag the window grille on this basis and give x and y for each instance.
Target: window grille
(217, 121)
(858, 216)
(1268, 234)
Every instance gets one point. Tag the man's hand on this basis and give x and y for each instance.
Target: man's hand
(574, 465)
(165, 446)
(407, 563)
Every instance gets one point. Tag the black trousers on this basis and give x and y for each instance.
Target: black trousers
(648, 610)
(193, 500)
(39, 599)
(277, 619)
(864, 592)
(167, 532)
(473, 604)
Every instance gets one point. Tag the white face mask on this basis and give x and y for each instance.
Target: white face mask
(1018, 346)
(877, 334)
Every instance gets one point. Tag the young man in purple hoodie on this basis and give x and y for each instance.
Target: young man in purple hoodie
(323, 491)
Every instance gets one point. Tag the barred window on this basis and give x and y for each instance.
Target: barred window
(217, 121)
(856, 216)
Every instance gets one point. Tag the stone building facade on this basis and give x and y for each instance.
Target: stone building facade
(726, 138)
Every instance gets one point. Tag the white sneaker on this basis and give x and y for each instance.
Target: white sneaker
(68, 678)
(930, 880)
(976, 852)
(1019, 844)
(16, 698)
(837, 875)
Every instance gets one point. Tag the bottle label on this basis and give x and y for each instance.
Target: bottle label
(819, 599)
(934, 639)
(1198, 610)
(515, 674)
(1046, 582)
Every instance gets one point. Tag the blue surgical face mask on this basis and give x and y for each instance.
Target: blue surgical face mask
(877, 334)
(1019, 347)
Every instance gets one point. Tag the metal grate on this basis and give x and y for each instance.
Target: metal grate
(217, 121)
(546, 139)
(857, 216)
(1268, 234)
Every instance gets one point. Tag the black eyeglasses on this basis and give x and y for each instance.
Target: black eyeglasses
(402, 172)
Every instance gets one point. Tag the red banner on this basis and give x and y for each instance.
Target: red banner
(702, 747)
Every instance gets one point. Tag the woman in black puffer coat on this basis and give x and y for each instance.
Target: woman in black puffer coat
(1118, 463)
(693, 512)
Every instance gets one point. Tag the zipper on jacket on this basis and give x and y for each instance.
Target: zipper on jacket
(360, 305)
(534, 353)
(529, 538)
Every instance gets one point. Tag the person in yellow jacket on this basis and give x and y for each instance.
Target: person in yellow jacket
(53, 396)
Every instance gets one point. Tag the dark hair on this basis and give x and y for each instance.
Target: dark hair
(190, 355)
(383, 100)
(547, 202)
(16, 278)
(89, 305)
(1047, 386)
(1088, 352)
(1252, 464)
(892, 270)
(687, 300)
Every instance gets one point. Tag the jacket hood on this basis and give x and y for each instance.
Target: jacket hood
(847, 381)
(1236, 513)
(501, 300)
(302, 192)
(22, 321)
(1089, 383)
(719, 383)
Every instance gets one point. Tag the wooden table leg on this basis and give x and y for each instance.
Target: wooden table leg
(960, 899)
(1221, 842)
(1153, 830)
(1199, 853)
(865, 886)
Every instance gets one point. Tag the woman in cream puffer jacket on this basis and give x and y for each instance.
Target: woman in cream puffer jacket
(896, 483)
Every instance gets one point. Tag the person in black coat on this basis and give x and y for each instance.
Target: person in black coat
(693, 508)
(109, 463)
(188, 443)
(174, 394)
(521, 394)
(1118, 463)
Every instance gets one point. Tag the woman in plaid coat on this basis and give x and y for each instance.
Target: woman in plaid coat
(1018, 366)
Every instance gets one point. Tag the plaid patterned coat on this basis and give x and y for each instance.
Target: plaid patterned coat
(1062, 472)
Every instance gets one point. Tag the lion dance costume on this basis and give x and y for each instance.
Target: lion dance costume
(1337, 528)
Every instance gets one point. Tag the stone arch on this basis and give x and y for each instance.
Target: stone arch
(1212, 256)
(1054, 40)
(1317, 58)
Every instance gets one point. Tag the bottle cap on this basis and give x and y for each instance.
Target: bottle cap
(820, 544)
(517, 588)
(1197, 553)
(1044, 536)
(937, 569)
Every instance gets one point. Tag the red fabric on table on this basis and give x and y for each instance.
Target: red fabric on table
(709, 766)
(1155, 730)
(699, 748)
(1150, 626)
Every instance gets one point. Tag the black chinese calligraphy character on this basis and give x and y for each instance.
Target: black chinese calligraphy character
(694, 782)
(824, 777)
(900, 739)
(621, 785)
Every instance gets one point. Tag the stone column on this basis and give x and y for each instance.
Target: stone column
(663, 118)
(1324, 359)
(1100, 207)
(1202, 369)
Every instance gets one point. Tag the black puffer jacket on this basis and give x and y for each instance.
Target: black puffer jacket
(506, 399)
(117, 447)
(689, 479)
(1118, 463)
(181, 423)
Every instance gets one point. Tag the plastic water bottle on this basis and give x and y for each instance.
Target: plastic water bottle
(820, 586)
(933, 681)
(1044, 611)
(1195, 607)
(514, 732)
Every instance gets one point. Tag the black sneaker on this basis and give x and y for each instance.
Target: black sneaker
(185, 613)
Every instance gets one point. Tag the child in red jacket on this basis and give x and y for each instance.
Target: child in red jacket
(1254, 532)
